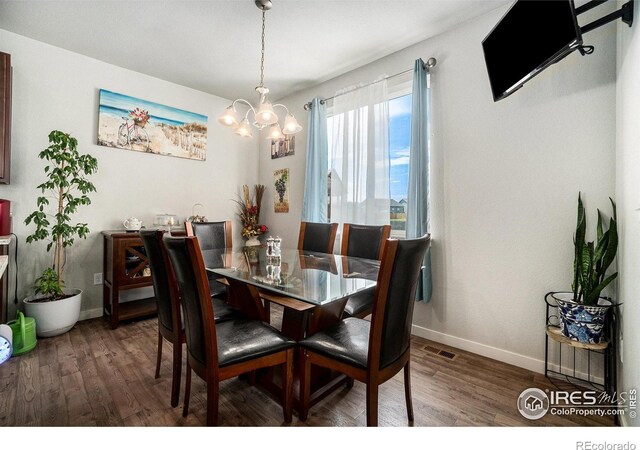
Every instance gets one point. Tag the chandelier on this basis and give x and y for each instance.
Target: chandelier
(264, 115)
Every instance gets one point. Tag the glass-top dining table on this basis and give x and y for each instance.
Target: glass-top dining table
(313, 289)
(315, 278)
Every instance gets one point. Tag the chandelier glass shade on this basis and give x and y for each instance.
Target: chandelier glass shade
(264, 115)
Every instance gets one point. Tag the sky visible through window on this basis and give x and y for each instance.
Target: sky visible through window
(399, 136)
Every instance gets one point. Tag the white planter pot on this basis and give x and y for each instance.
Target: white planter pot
(56, 317)
(252, 242)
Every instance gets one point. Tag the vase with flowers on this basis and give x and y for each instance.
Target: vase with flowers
(249, 214)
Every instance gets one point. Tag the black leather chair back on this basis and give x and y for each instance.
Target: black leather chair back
(211, 235)
(318, 237)
(364, 241)
(192, 307)
(398, 308)
(160, 277)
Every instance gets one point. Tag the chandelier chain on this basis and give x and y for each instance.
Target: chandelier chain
(262, 53)
(264, 114)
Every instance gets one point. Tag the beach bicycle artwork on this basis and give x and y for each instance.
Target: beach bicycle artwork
(131, 123)
(131, 133)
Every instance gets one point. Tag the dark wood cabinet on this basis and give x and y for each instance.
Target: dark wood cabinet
(5, 117)
(125, 267)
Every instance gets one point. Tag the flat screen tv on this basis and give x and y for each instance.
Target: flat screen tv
(528, 38)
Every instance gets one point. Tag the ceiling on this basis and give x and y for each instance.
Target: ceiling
(214, 46)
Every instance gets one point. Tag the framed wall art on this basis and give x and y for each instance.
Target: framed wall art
(133, 124)
(281, 185)
(283, 147)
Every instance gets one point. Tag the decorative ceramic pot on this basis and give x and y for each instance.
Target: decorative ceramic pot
(57, 316)
(579, 322)
(132, 224)
(252, 241)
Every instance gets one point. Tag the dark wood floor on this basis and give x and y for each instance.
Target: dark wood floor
(95, 376)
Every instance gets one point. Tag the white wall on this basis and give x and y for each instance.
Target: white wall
(628, 196)
(58, 89)
(505, 180)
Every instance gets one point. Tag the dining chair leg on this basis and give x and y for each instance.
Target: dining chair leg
(187, 391)
(177, 372)
(349, 382)
(287, 384)
(305, 385)
(407, 391)
(372, 404)
(213, 398)
(159, 357)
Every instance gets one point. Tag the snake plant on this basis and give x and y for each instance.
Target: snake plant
(592, 259)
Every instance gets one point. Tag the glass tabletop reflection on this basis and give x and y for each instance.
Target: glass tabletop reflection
(316, 278)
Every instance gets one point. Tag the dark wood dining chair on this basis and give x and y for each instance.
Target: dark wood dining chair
(165, 289)
(317, 237)
(219, 351)
(362, 241)
(372, 352)
(212, 236)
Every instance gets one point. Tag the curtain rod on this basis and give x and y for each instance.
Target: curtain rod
(431, 62)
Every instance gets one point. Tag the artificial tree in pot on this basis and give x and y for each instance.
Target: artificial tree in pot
(583, 311)
(55, 308)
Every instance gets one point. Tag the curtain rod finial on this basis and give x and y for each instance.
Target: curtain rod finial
(431, 62)
(307, 106)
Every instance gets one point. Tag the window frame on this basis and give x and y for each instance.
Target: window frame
(397, 86)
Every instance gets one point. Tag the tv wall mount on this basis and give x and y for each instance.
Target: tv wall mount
(625, 13)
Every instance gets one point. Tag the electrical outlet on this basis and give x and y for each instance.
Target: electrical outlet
(97, 278)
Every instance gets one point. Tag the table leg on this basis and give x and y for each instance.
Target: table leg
(325, 316)
(296, 325)
(246, 298)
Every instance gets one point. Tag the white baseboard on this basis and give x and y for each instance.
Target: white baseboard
(90, 313)
(526, 362)
(505, 356)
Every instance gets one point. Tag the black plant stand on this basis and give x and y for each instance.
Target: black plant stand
(606, 350)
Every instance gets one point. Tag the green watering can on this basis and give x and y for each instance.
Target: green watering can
(24, 334)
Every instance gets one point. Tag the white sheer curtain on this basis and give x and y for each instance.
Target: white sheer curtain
(359, 159)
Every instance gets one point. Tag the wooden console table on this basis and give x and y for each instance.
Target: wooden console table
(125, 266)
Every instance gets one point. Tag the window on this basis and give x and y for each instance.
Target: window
(399, 138)
(399, 135)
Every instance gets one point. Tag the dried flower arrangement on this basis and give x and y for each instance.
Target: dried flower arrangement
(249, 211)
